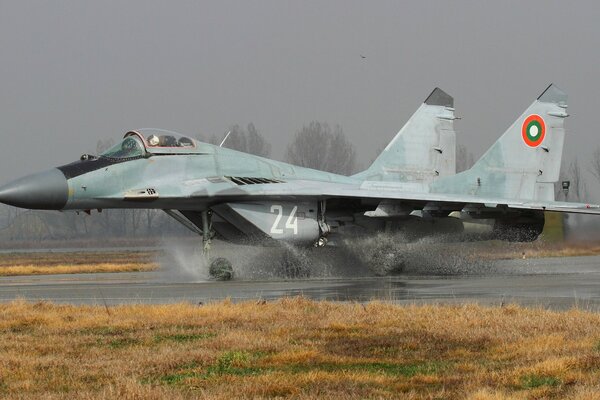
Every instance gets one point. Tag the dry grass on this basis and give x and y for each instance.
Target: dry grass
(75, 269)
(296, 348)
(74, 263)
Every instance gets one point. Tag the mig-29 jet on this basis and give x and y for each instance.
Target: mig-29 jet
(242, 197)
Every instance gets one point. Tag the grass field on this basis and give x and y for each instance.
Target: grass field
(74, 263)
(296, 348)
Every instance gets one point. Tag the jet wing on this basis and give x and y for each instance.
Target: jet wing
(576, 208)
(319, 190)
(325, 190)
(457, 202)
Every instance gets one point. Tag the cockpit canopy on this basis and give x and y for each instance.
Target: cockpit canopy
(143, 142)
(159, 138)
(162, 139)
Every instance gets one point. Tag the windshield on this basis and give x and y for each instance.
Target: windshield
(130, 147)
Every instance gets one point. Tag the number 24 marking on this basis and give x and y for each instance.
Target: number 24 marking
(291, 223)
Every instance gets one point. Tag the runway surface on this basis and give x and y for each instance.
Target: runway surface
(558, 283)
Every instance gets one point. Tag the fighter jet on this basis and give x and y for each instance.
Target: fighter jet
(213, 190)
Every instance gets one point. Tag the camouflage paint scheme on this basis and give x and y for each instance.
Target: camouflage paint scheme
(241, 196)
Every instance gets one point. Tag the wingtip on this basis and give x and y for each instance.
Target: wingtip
(439, 98)
(553, 94)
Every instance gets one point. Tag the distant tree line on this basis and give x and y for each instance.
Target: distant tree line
(315, 145)
(248, 140)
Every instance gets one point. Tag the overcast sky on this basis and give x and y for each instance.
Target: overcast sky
(75, 72)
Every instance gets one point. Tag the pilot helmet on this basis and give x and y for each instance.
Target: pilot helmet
(153, 140)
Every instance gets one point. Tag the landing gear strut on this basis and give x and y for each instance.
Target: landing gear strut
(324, 228)
(220, 268)
(206, 232)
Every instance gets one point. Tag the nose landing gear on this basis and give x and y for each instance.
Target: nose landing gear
(220, 268)
(321, 242)
(206, 232)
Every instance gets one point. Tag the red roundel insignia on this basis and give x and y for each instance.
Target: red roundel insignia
(533, 130)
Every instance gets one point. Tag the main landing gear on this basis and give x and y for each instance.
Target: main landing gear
(324, 228)
(321, 242)
(220, 268)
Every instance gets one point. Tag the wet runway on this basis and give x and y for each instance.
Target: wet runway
(557, 283)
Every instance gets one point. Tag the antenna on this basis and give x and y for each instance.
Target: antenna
(224, 139)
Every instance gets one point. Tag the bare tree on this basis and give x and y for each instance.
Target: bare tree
(136, 220)
(236, 139)
(464, 158)
(309, 148)
(596, 163)
(105, 223)
(342, 156)
(249, 140)
(256, 143)
(8, 214)
(317, 146)
(150, 217)
(578, 188)
(70, 221)
(5, 216)
(572, 172)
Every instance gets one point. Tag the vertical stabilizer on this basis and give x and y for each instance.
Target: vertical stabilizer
(525, 162)
(424, 149)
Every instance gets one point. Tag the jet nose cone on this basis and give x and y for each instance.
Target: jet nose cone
(46, 190)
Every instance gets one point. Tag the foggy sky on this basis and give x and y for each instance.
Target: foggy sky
(75, 72)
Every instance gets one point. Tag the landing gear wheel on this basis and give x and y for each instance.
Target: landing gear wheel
(220, 269)
(321, 242)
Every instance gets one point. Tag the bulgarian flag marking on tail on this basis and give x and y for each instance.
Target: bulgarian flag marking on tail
(533, 130)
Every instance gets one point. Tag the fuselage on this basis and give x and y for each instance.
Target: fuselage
(160, 177)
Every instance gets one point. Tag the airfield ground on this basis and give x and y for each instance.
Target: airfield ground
(297, 348)
(24, 262)
(275, 346)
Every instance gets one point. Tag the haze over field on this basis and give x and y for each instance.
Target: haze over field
(76, 72)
